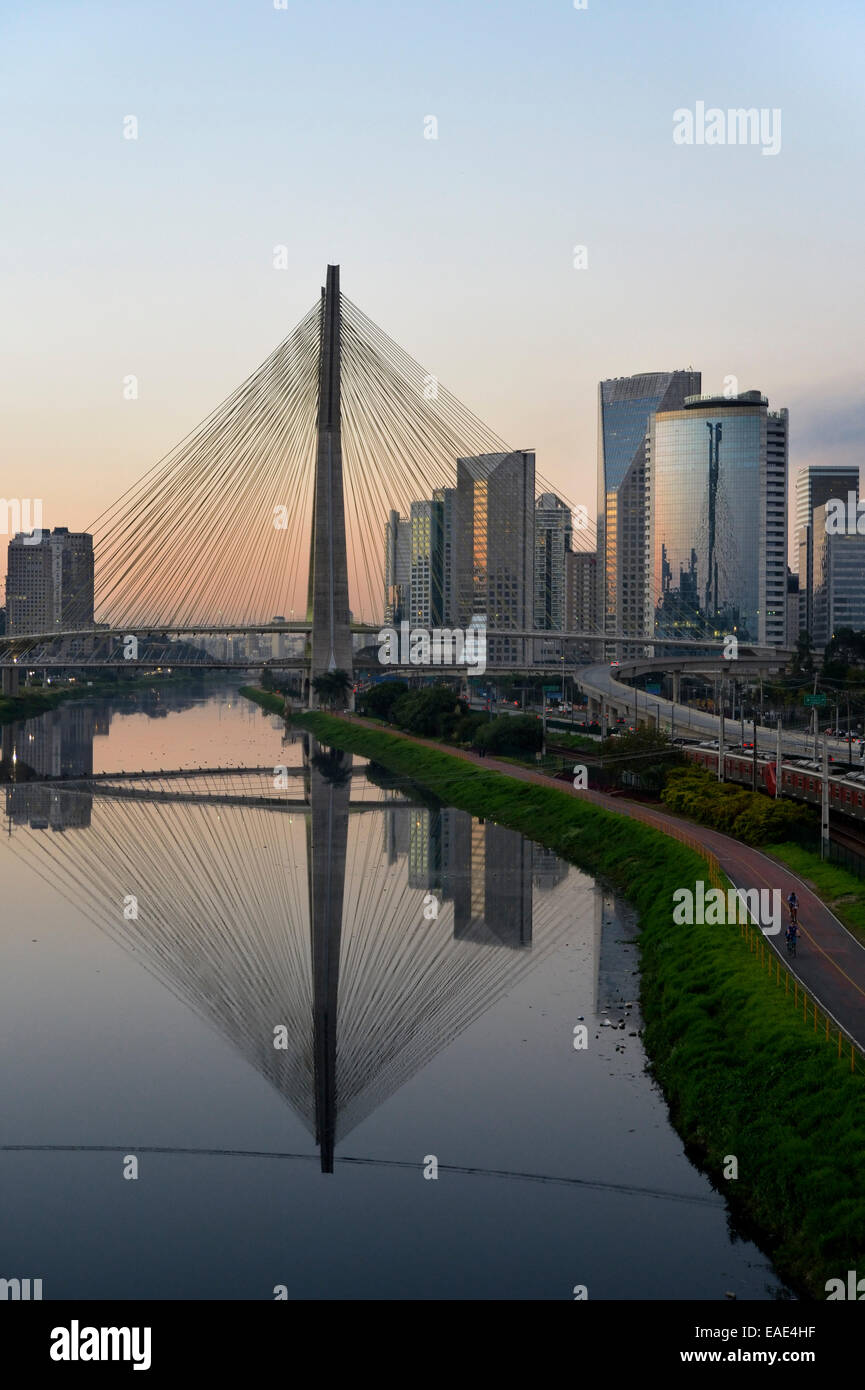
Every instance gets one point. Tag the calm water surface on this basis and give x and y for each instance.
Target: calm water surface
(287, 1002)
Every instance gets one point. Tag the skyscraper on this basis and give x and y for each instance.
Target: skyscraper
(397, 568)
(625, 409)
(793, 597)
(495, 533)
(838, 599)
(581, 607)
(553, 537)
(717, 486)
(49, 585)
(425, 604)
(815, 485)
(444, 554)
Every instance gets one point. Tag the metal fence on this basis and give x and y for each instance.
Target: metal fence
(847, 859)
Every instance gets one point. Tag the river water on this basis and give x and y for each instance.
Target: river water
(251, 1003)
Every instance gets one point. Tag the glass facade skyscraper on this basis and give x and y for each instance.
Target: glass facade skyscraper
(717, 472)
(444, 554)
(815, 485)
(425, 584)
(839, 581)
(626, 406)
(397, 568)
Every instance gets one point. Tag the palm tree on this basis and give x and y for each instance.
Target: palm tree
(332, 686)
(332, 765)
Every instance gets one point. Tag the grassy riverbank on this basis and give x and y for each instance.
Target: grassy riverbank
(268, 699)
(742, 1073)
(35, 700)
(840, 890)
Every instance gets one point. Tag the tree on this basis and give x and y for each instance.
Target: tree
(517, 734)
(646, 755)
(380, 699)
(433, 712)
(803, 656)
(332, 687)
(333, 766)
(844, 655)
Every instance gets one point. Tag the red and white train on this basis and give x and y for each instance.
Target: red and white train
(800, 779)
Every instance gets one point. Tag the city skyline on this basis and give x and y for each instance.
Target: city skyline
(497, 548)
(169, 279)
(432, 669)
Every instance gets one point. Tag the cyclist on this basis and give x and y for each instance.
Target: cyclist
(792, 936)
(793, 905)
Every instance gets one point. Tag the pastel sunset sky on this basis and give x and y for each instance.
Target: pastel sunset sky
(304, 127)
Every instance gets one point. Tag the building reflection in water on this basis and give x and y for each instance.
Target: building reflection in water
(59, 744)
(297, 916)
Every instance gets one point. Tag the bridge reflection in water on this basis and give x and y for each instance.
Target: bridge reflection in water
(358, 923)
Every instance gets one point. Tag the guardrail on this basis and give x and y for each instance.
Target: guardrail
(823, 1023)
(766, 957)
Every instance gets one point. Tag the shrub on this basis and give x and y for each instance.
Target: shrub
(380, 699)
(751, 817)
(521, 734)
(433, 712)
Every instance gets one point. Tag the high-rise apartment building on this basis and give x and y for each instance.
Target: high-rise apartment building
(626, 406)
(494, 551)
(49, 584)
(581, 608)
(815, 485)
(717, 471)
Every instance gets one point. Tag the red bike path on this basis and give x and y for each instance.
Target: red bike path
(830, 963)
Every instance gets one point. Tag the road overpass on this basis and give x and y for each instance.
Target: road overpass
(608, 693)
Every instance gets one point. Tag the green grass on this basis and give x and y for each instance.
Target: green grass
(840, 890)
(268, 699)
(743, 1075)
(579, 743)
(35, 700)
(28, 704)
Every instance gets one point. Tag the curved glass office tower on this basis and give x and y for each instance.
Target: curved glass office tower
(717, 490)
(626, 406)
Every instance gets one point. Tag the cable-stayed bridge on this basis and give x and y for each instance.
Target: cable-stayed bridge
(268, 520)
(259, 918)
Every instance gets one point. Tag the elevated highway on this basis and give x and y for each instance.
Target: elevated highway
(608, 692)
